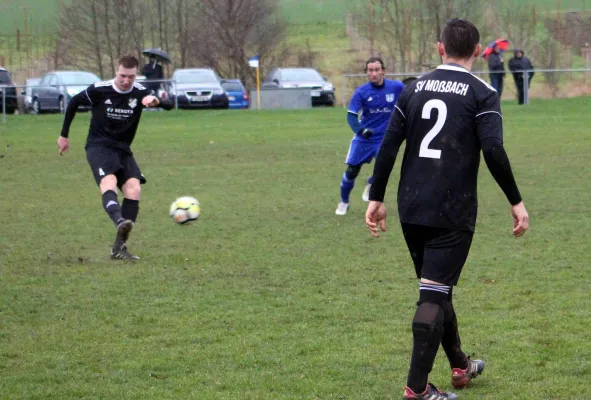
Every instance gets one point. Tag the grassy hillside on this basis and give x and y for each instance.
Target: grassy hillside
(41, 15)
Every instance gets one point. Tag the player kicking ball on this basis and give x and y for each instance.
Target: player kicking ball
(447, 117)
(369, 112)
(116, 111)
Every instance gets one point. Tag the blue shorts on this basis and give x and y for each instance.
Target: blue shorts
(362, 151)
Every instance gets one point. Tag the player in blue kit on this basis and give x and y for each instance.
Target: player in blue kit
(368, 116)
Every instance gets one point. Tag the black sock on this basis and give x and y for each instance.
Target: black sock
(450, 340)
(427, 328)
(130, 209)
(111, 206)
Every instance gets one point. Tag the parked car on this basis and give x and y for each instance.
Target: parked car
(237, 94)
(8, 91)
(322, 90)
(197, 88)
(27, 92)
(58, 87)
(161, 93)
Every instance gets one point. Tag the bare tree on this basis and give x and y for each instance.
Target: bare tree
(407, 30)
(227, 32)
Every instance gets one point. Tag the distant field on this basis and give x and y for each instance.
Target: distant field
(42, 13)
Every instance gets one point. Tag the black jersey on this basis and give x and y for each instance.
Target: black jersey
(115, 114)
(443, 116)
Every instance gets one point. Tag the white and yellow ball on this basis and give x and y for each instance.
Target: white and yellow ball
(185, 210)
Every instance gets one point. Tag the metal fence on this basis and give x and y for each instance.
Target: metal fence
(547, 83)
(23, 97)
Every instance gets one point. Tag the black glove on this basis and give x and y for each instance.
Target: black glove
(366, 133)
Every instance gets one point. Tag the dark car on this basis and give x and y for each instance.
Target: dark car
(322, 91)
(7, 91)
(237, 94)
(56, 88)
(197, 88)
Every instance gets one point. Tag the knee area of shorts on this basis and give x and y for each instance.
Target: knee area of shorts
(352, 171)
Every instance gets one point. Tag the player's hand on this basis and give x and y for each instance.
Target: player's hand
(376, 216)
(366, 133)
(150, 101)
(520, 219)
(63, 144)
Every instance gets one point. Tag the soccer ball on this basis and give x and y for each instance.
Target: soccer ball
(185, 210)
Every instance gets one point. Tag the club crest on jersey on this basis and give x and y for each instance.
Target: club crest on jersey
(132, 103)
(390, 97)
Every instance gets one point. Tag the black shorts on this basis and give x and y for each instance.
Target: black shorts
(439, 254)
(107, 160)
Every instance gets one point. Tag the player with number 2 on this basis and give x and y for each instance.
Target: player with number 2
(447, 117)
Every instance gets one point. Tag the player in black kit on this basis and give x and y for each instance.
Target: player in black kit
(446, 117)
(116, 111)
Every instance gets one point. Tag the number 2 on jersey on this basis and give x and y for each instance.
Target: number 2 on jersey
(441, 108)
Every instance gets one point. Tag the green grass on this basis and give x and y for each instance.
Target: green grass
(41, 16)
(270, 295)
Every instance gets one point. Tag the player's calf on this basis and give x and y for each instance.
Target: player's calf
(111, 206)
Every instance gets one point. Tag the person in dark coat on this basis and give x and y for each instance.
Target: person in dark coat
(518, 63)
(153, 71)
(497, 67)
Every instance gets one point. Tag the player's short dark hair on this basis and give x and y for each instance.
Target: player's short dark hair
(460, 38)
(372, 60)
(128, 62)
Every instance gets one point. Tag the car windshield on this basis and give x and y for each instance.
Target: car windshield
(292, 75)
(4, 77)
(195, 76)
(78, 78)
(232, 87)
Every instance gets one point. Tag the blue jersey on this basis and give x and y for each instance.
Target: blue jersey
(375, 103)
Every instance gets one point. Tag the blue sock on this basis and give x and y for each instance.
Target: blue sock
(370, 180)
(346, 187)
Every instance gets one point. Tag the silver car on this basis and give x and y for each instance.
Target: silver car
(198, 88)
(56, 88)
(322, 91)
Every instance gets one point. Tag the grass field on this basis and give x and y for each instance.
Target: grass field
(270, 295)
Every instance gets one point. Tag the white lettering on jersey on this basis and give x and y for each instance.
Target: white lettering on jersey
(432, 85)
(101, 172)
(380, 110)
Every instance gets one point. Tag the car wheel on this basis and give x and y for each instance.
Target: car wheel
(36, 108)
(62, 105)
